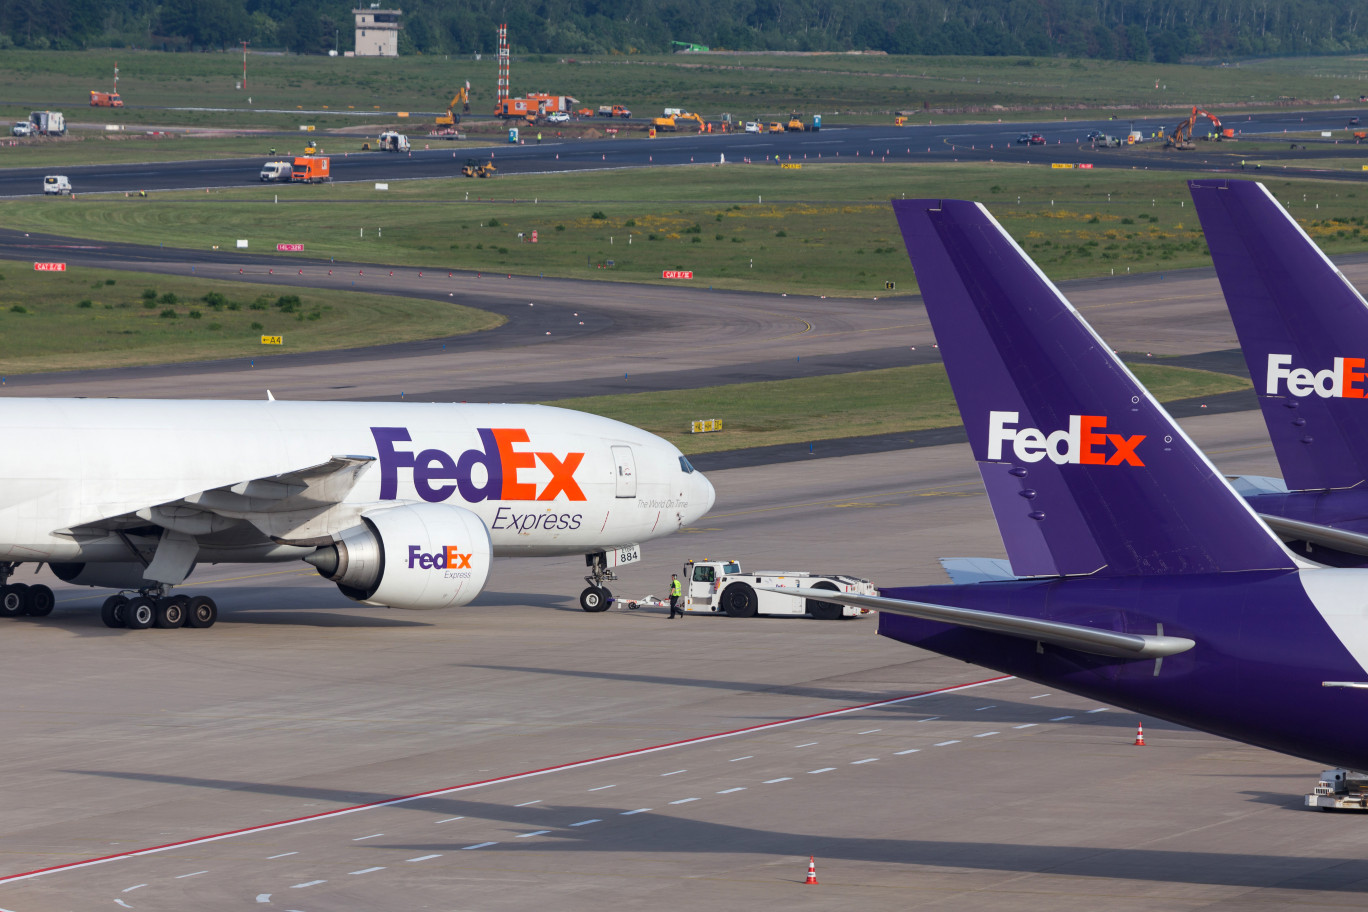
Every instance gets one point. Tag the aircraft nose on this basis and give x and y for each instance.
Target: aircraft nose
(701, 498)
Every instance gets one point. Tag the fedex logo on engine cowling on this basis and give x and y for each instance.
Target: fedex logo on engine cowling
(1343, 381)
(437, 475)
(1085, 442)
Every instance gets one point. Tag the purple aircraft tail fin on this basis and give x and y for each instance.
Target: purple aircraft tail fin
(1303, 328)
(1085, 471)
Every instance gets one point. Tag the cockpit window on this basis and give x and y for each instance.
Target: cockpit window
(685, 465)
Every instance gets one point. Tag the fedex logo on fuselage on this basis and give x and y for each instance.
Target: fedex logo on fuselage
(1346, 380)
(437, 475)
(1085, 442)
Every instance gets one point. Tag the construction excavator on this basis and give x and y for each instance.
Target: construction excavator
(451, 118)
(1181, 136)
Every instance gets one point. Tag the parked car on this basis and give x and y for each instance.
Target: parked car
(1037, 139)
(559, 117)
(753, 127)
(1023, 138)
(1093, 136)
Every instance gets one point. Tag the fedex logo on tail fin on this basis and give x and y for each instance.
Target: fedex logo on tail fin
(1346, 380)
(437, 475)
(1085, 442)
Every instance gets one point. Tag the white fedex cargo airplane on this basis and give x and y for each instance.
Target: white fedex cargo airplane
(399, 504)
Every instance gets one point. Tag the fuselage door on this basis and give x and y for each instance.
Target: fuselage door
(626, 471)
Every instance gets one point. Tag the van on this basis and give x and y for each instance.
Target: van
(275, 171)
(56, 184)
(752, 126)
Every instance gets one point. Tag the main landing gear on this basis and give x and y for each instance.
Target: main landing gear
(597, 597)
(154, 608)
(19, 599)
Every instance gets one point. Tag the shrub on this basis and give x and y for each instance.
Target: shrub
(86, 304)
(149, 294)
(168, 314)
(214, 300)
(288, 303)
(215, 326)
(169, 299)
(150, 305)
(260, 303)
(258, 327)
(630, 223)
(597, 214)
(781, 233)
(107, 281)
(195, 314)
(560, 227)
(19, 309)
(493, 223)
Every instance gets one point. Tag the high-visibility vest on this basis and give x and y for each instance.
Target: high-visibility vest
(674, 587)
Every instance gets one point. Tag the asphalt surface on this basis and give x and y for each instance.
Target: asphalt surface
(918, 142)
(311, 754)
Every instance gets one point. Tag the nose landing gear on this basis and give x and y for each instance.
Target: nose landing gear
(597, 597)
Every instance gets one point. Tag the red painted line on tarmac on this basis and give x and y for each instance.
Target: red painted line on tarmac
(576, 764)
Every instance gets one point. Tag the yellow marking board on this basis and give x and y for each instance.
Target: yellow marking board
(1061, 165)
(706, 426)
(272, 340)
(794, 165)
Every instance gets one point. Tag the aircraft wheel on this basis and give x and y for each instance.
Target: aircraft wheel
(139, 613)
(39, 601)
(170, 612)
(825, 611)
(112, 611)
(739, 601)
(201, 612)
(12, 599)
(595, 599)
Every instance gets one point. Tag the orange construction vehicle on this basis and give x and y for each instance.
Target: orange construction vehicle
(1181, 136)
(105, 99)
(311, 169)
(452, 117)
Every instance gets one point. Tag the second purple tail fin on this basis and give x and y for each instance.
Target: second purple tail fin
(1086, 472)
(1303, 328)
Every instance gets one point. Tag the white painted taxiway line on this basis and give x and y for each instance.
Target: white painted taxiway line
(484, 783)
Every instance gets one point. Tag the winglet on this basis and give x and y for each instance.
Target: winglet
(1303, 328)
(1086, 472)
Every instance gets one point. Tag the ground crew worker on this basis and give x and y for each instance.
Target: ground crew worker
(539, 138)
(675, 592)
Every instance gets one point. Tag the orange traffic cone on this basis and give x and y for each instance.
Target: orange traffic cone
(1140, 735)
(812, 871)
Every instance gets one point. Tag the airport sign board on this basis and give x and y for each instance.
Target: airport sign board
(49, 267)
(290, 248)
(677, 274)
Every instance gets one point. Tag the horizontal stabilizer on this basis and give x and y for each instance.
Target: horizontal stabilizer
(977, 569)
(1070, 636)
(1317, 534)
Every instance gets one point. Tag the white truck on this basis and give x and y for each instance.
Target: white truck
(56, 185)
(391, 141)
(22, 128)
(720, 587)
(48, 123)
(276, 171)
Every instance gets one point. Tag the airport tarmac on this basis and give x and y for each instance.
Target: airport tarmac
(727, 751)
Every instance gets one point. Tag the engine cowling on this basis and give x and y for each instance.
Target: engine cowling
(114, 575)
(418, 556)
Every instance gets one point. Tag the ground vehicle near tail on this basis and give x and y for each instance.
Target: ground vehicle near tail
(720, 587)
(276, 171)
(311, 170)
(613, 111)
(48, 123)
(56, 185)
(391, 141)
(105, 99)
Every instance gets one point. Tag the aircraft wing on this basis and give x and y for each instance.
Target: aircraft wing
(1317, 534)
(275, 504)
(1071, 636)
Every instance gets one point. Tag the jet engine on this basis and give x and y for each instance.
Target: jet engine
(114, 575)
(410, 556)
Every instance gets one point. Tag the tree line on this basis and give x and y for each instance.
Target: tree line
(1167, 31)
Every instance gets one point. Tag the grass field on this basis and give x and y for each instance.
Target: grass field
(841, 86)
(825, 229)
(846, 405)
(86, 318)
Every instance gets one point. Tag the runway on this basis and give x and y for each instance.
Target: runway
(299, 704)
(920, 141)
